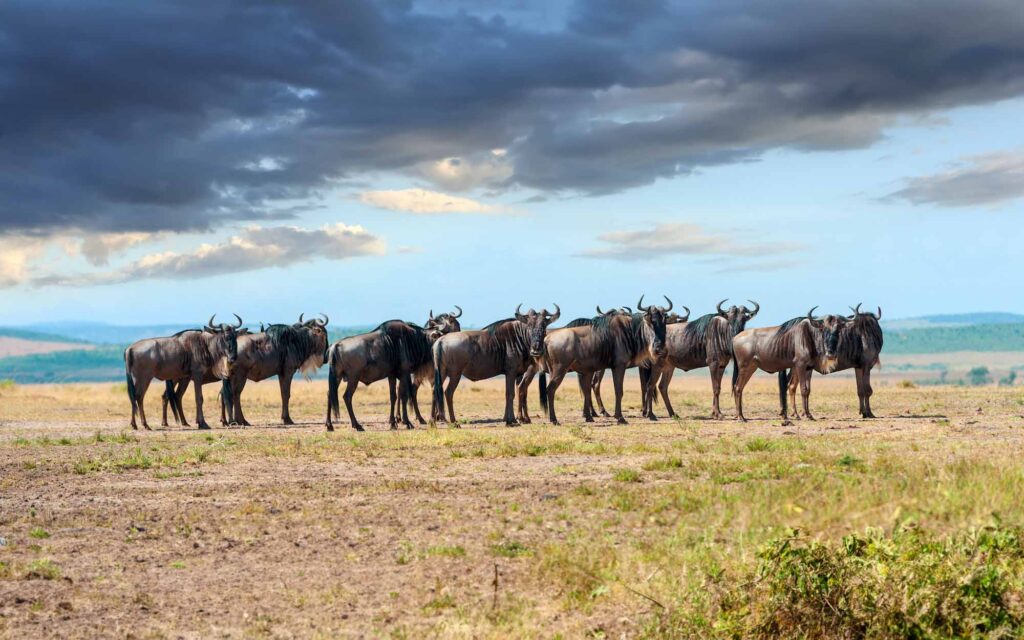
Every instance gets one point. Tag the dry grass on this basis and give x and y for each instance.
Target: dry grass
(656, 529)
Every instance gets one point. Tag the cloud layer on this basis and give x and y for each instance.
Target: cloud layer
(172, 115)
(423, 201)
(980, 180)
(673, 239)
(256, 248)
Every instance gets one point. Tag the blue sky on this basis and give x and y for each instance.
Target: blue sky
(576, 188)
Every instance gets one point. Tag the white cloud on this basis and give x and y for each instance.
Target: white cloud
(255, 248)
(978, 180)
(674, 238)
(421, 201)
(97, 248)
(18, 254)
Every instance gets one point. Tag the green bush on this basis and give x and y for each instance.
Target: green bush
(904, 585)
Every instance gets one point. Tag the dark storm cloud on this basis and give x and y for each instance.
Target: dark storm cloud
(181, 115)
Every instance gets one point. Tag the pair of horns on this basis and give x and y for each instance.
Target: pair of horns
(321, 323)
(619, 310)
(454, 315)
(858, 312)
(640, 305)
(222, 327)
(722, 311)
(550, 316)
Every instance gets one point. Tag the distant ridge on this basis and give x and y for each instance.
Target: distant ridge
(955, 320)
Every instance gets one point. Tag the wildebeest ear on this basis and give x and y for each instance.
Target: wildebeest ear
(244, 331)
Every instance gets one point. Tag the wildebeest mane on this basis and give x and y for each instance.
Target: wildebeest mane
(506, 336)
(789, 324)
(295, 345)
(580, 322)
(491, 328)
(861, 335)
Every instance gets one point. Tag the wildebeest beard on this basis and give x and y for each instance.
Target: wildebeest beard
(300, 347)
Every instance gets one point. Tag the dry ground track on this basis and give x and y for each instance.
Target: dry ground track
(293, 532)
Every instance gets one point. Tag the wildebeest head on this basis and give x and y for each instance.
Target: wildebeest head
(655, 318)
(536, 326)
(317, 327)
(442, 324)
(227, 337)
(674, 318)
(858, 314)
(737, 317)
(830, 327)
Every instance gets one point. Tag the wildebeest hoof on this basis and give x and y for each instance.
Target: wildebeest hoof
(555, 423)
(454, 425)
(202, 426)
(512, 424)
(421, 421)
(810, 417)
(330, 427)
(621, 421)
(288, 421)
(787, 423)
(652, 417)
(357, 427)
(605, 414)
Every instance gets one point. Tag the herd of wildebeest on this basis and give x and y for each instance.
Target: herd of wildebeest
(522, 347)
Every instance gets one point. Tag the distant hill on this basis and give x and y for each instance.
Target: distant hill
(954, 320)
(944, 339)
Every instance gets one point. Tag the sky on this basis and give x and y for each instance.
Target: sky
(163, 161)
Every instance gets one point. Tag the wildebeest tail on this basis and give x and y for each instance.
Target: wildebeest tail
(783, 384)
(128, 363)
(438, 355)
(735, 372)
(332, 386)
(542, 387)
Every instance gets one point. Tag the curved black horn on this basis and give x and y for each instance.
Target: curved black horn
(757, 307)
(669, 304)
(431, 316)
(325, 320)
(640, 305)
(459, 315)
(300, 318)
(627, 310)
(687, 316)
(810, 314)
(518, 314)
(210, 324)
(718, 307)
(879, 316)
(558, 313)
(599, 312)
(240, 323)
(857, 310)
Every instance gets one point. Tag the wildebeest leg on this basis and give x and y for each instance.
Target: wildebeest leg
(200, 419)
(794, 382)
(284, 380)
(404, 393)
(415, 403)
(717, 371)
(524, 387)
(742, 378)
(392, 418)
(649, 390)
(449, 396)
(179, 399)
(141, 385)
(596, 386)
(510, 396)
(350, 389)
(663, 382)
(618, 375)
(553, 382)
(236, 392)
(587, 388)
(168, 398)
(865, 373)
(805, 391)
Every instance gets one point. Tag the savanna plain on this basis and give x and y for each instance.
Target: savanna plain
(910, 525)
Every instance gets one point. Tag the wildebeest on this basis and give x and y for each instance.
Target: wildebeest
(614, 341)
(800, 344)
(860, 343)
(504, 347)
(277, 350)
(704, 342)
(192, 354)
(435, 327)
(395, 350)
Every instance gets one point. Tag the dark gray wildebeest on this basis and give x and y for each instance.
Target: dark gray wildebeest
(193, 354)
(801, 344)
(506, 347)
(704, 342)
(395, 350)
(615, 342)
(280, 350)
(860, 344)
(436, 327)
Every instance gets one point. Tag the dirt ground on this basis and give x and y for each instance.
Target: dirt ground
(482, 531)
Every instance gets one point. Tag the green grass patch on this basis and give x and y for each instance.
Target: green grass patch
(626, 475)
